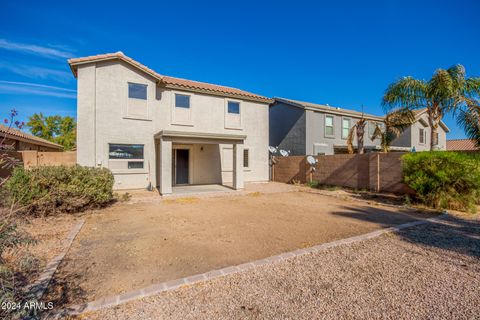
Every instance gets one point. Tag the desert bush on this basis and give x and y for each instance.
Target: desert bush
(444, 180)
(49, 190)
(13, 270)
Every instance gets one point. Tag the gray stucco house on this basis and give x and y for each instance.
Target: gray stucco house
(306, 128)
(419, 134)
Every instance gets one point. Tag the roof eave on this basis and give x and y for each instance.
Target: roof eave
(342, 112)
(45, 144)
(215, 93)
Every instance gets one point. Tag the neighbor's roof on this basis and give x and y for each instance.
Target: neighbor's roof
(16, 134)
(170, 82)
(461, 145)
(329, 109)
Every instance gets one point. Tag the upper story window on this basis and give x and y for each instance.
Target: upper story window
(137, 91)
(329, 126)
(182, 101)
(233, 107)
(345, 128)
(371, 128)
(421, 136)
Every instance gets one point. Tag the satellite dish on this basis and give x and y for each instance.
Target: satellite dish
(311, 160)
(284, 153)
(272, 149)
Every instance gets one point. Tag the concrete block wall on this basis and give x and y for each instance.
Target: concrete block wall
(381, 172)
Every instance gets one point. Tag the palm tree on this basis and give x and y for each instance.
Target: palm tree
(359, 128)
(447, 91)
(394, 124)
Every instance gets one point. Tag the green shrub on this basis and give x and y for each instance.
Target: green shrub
(50, 190)
(446, 180)
(312, 184)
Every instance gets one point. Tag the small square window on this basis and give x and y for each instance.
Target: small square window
(234, 107)
(182, 101)
(137, 91)
(135, 164)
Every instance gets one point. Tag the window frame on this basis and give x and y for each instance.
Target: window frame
(325, 126)
(138, 84)
(421, 136)
(349, 127)
(246, 150)
(126, 161)
(228, 107)
(184, 95)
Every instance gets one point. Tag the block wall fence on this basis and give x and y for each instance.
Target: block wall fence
(381, 172)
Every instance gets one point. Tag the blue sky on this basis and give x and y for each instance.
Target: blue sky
(343, 53)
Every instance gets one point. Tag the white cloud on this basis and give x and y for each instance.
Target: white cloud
(37, 72)
(47, 52)
(36, 88)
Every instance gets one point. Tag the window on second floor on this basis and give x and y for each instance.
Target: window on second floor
(371, 128)
(137, 91)
(329, 126)
(233, 107)
(182, 101)
(345, 127)
(421, 136)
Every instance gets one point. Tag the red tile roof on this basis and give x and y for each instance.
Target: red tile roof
(167, 81)
(15, 133)
(461, 145)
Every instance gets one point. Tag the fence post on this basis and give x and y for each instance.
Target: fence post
(378, 171)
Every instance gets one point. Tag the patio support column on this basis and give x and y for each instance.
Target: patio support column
(237, 166)
(165, 167)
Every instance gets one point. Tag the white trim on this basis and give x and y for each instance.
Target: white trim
(349, 127)
(325, 126)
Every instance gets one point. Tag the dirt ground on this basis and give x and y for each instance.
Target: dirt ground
(135, 244)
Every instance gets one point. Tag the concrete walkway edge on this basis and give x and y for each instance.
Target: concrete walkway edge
(174, 284)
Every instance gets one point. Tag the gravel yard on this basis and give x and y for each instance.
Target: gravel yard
(430, 271)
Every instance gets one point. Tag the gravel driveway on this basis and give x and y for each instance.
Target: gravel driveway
(430, 271)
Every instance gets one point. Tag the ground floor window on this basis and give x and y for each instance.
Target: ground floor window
(246, 158)
(126, 156)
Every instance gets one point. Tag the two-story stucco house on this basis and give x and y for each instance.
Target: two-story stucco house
(417, 136)
(151, 129)
(306, 128)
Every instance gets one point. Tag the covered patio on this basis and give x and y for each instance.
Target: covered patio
(185, 159)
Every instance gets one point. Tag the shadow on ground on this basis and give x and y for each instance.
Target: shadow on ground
(63, 289)
(461, 235)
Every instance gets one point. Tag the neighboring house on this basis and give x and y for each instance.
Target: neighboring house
(151, 129)
(419, 134)
(305, 128)
(465, 145)
(21, 141)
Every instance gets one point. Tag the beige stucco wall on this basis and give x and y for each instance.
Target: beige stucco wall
(104, 117)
